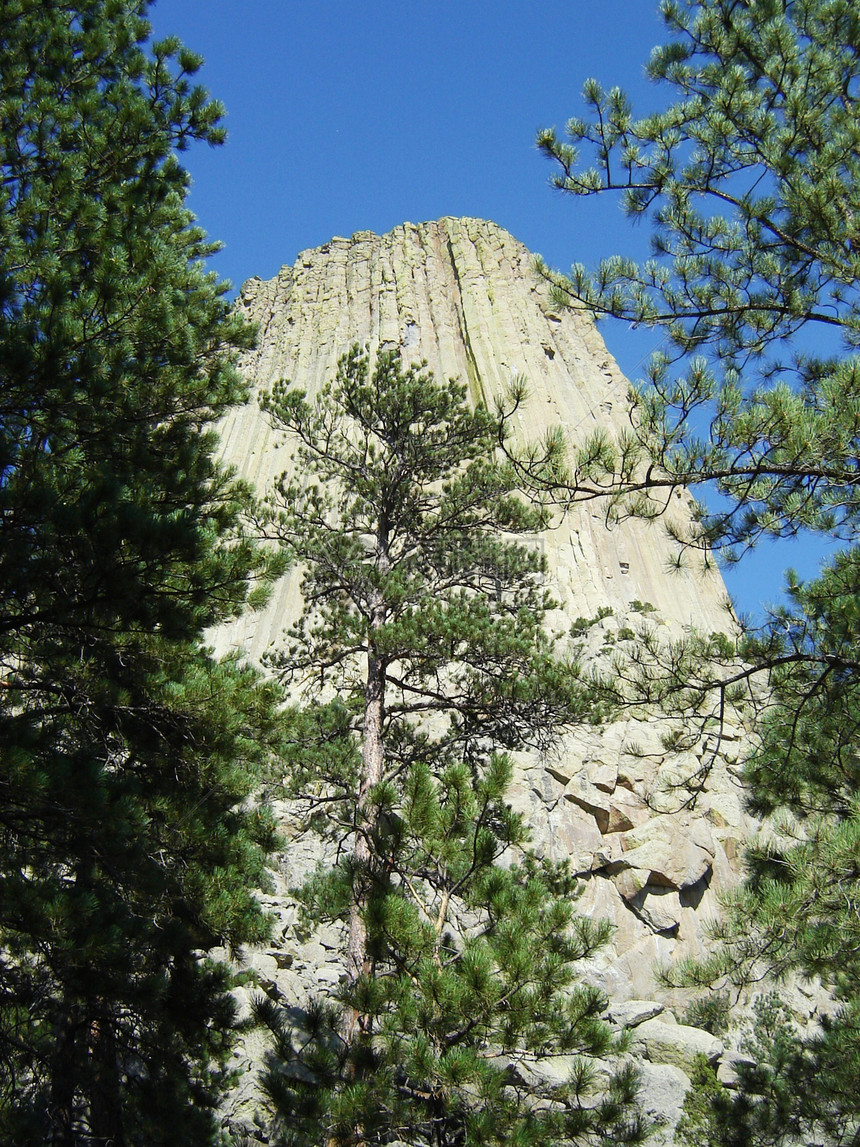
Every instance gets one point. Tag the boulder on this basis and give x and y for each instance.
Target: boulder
(659, 907)
(675, 1044)
(728, 1071)
(674, 855)
(663, 1091)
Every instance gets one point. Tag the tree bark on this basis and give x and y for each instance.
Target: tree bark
(63, 1075)
(106, 1104)
(372, 756)
(372, 767)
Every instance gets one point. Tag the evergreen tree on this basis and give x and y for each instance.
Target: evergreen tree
(128, 752)
(750, 180)
(422, 663)
(790, 1089)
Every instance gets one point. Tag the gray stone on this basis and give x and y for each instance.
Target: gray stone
(603, 775)
(575, 837)
(630, 882)
(314, 953)
(293, 987)
(664, 1088)
(329, 975)
(674, 854)
(331, 936)
(630, 1013)
(727, 1070)
(552, 1071)
(242, 999)
(595, 801)
(626, 811)
(675, 1044)
(658, 906)
(265, 965)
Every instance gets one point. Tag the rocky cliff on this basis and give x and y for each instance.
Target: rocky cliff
(461, 294)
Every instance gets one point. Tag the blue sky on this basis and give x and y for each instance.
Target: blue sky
(344, 116)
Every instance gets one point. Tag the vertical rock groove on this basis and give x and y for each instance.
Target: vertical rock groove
(476, 390)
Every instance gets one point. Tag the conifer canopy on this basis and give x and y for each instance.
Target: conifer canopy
(750, 183)
(127, 750)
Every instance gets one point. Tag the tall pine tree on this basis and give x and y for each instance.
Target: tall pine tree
(750, 179)
(126, 846)
(422, 663)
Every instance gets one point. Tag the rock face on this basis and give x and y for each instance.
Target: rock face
(461, 294)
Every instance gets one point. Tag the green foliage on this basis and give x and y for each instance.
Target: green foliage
(764, 135)
(637, 606)
(397, 519)
(790, 1089)
(796, 910)
(469, 997)
(711, 1013)
(749, 179)
(128, 752)
(704, 1108)
(423, 619)
(582, 624)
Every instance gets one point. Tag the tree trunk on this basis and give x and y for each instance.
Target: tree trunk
(63, 1076)
(372, 762)
(106, 1103)
(372, 757)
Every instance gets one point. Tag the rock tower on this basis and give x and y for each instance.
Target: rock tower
(462, 295)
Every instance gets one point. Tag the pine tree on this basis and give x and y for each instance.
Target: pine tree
(750, 180)
(422, 664)
(128, 752)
